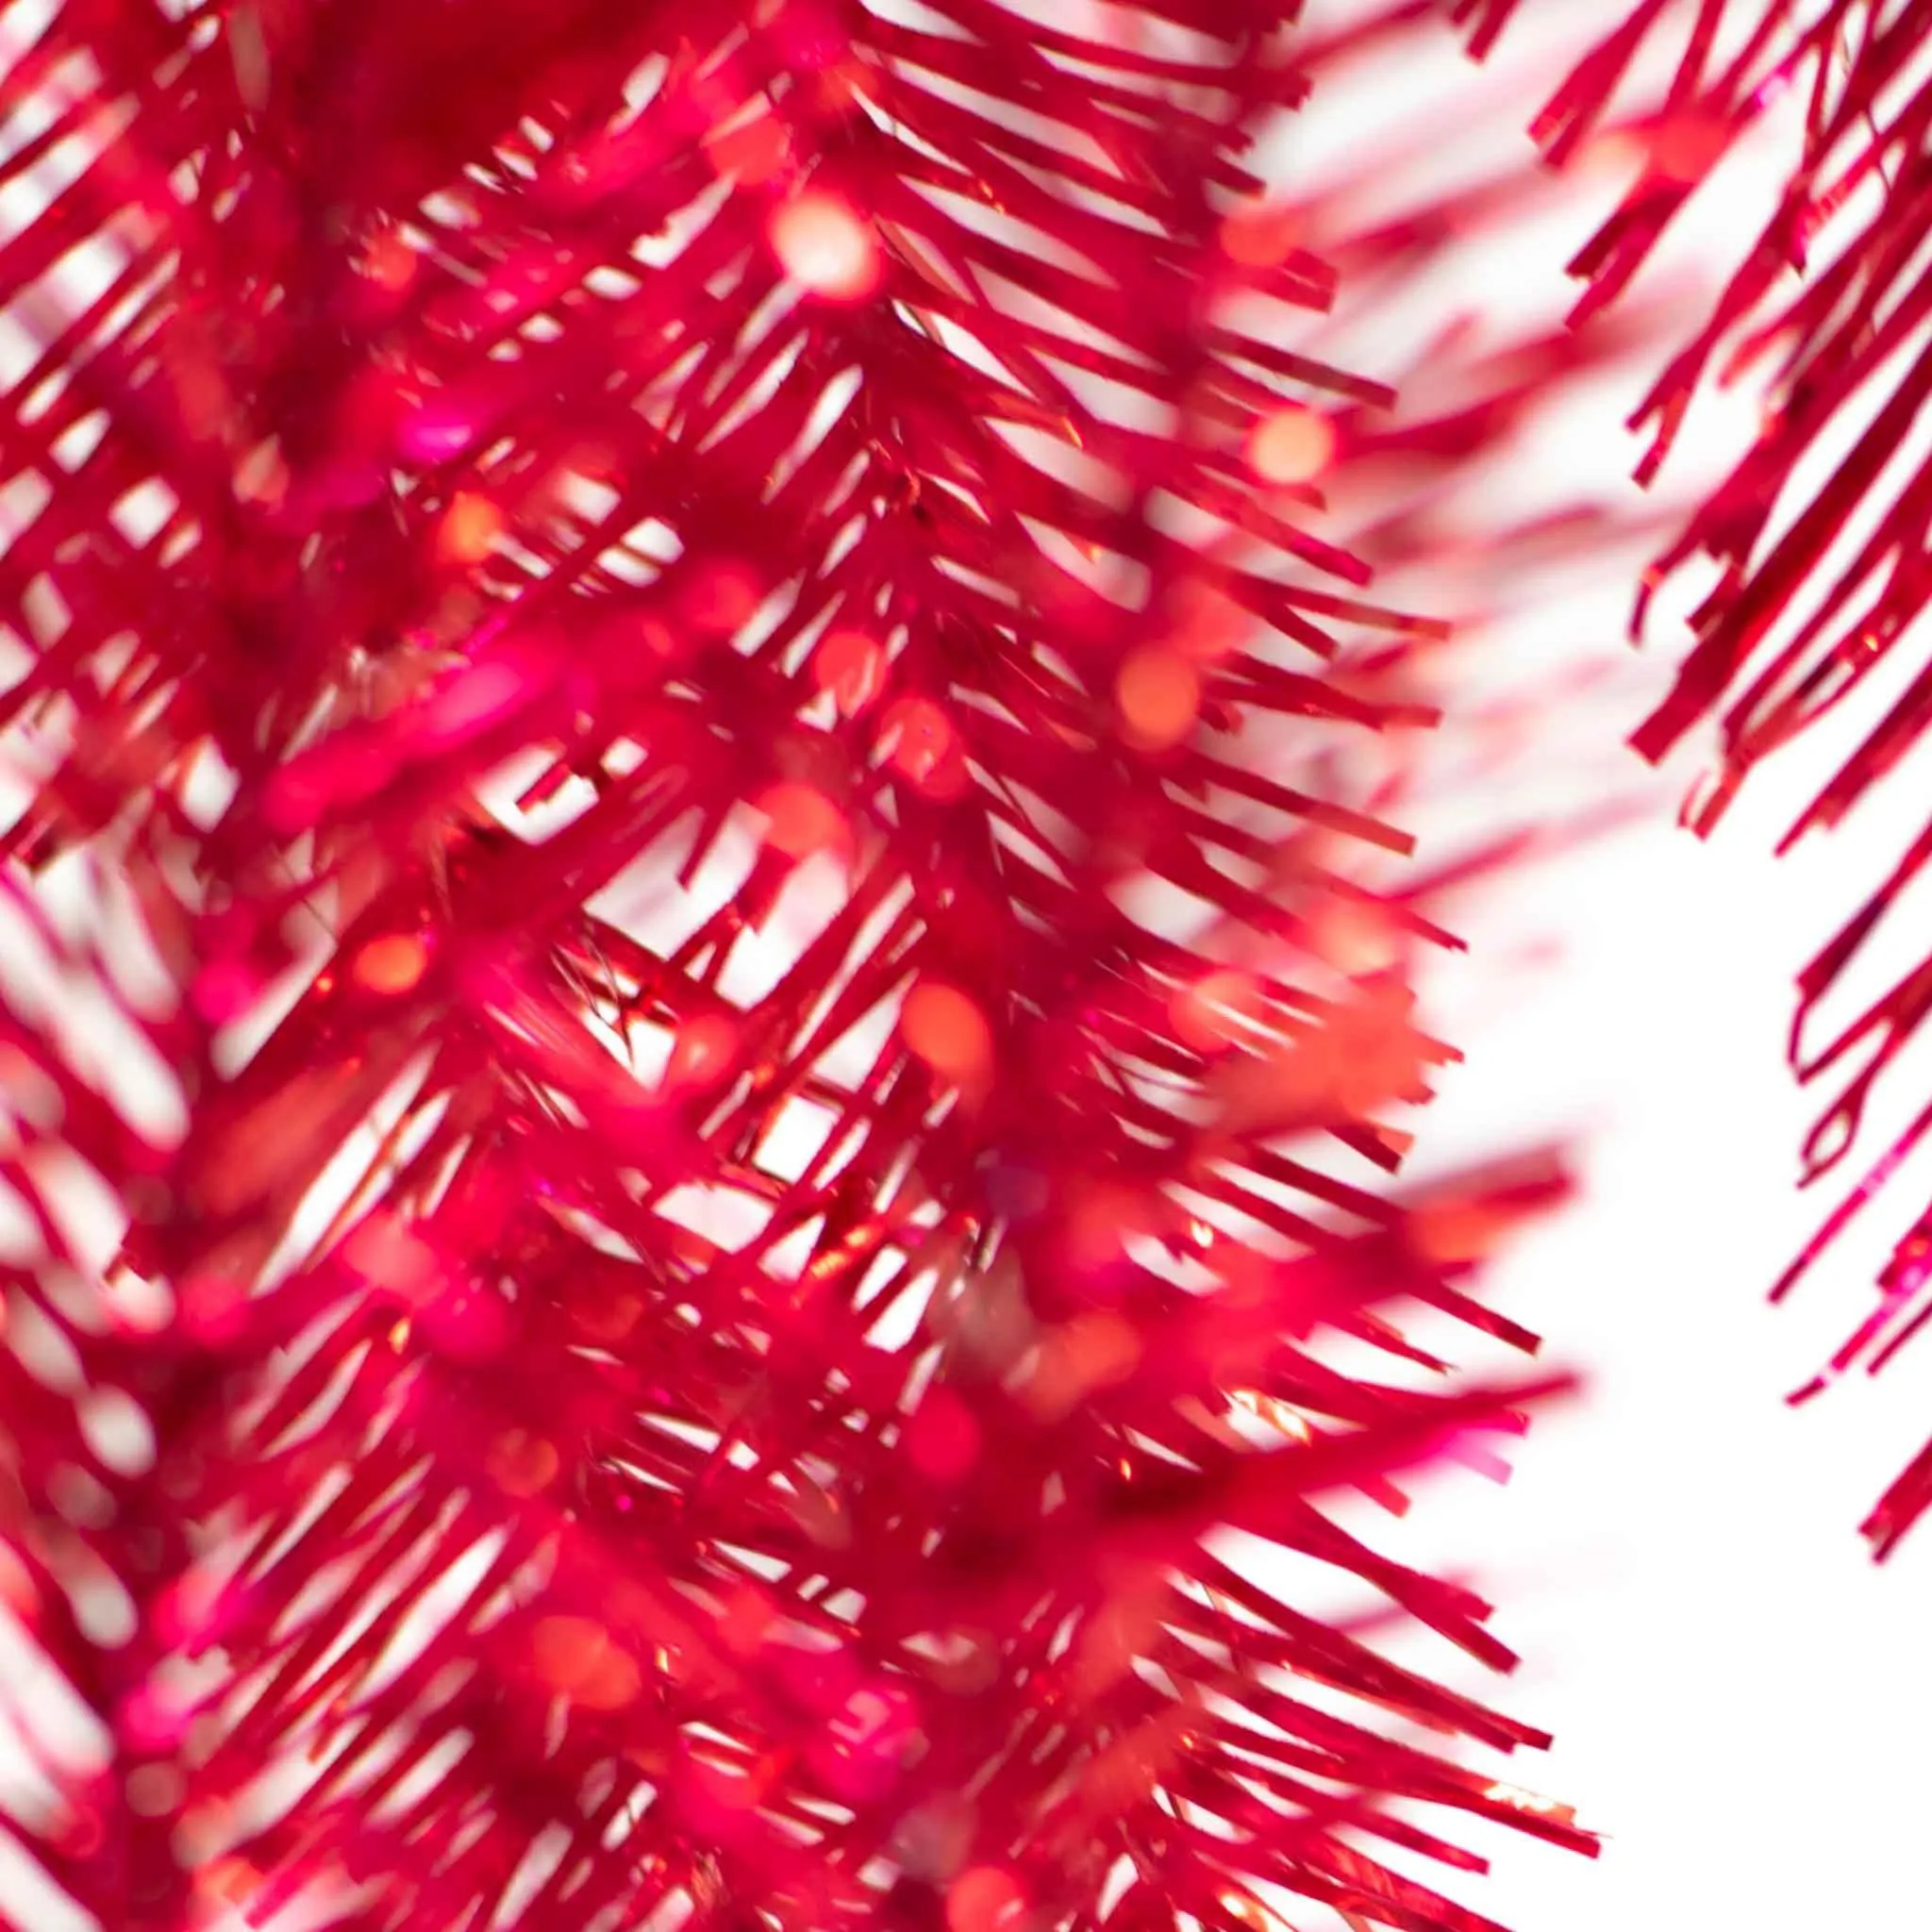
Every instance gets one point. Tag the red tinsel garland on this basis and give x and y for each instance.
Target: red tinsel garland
(748, 1059)
(699, 1043)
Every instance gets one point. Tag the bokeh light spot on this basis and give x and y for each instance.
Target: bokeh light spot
(1290, 446)
(1216, 1010)
(923, 745)
(1259, 235)
(802, 821)
(470, 529)
(224, 989)
(18, 1590)
(1158, 692)
(155, 1790)
(389, 262)
(227, 1883)
(948, 1032)
(749, 151)
(1688, 147)
(747, 1620)
(393, 964)
(522, 1463)
(851, 667)
(723, 597)
(942, 1440)
(984, 1899)
(576, 1658)
(823, 245)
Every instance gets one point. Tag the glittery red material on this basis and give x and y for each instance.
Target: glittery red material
(751, 1073)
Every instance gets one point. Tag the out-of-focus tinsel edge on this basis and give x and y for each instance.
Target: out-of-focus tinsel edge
(1821, 532)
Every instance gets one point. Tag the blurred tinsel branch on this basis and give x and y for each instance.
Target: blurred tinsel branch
(705, 1029)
